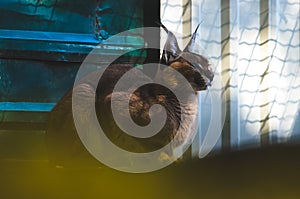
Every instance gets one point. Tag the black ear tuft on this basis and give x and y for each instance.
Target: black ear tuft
(191, 44)
(171, 48)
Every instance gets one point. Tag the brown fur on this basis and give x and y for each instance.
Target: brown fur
(64, 142)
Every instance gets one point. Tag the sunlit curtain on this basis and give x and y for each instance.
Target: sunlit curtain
(255, 48)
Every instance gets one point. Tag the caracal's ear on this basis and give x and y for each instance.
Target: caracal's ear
(190, 46)
(171, 49)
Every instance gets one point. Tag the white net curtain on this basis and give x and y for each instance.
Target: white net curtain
(255, 48)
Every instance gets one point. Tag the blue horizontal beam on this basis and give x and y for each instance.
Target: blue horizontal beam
(26, 106)
(65, 47)
(49, 36)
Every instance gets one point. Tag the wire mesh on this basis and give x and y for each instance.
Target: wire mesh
(263, 67)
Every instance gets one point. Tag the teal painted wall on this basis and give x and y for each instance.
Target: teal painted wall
(32, 70)
(70, 15)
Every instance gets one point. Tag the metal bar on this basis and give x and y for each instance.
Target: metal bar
(264, 86)
(151, 17)
(49, 36)
(186, 19)
(225, 38)
(26, 106)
